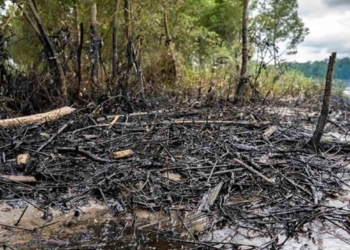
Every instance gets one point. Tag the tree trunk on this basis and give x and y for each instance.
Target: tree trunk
(171, 60)
(115, 44)
(166, 27)
(77, 45)
(122, 87)
(127, 19)
(243, 78)
(139, 61)
(316, 138)
(76, 20)
(274, 33)
(79, 53)
(51, 50)
(95, 47)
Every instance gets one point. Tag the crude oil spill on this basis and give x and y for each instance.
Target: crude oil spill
(94, 228)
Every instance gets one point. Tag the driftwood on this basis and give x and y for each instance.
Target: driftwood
(37, 118)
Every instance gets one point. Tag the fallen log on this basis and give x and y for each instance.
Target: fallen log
(18, 178)
(37, 118)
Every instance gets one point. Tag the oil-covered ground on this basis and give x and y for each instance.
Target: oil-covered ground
(189, 178)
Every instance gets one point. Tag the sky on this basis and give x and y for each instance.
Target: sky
(329, 25)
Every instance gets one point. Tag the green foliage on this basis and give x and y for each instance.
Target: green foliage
(204, 32)
(278, 21)
(318, 69)
(293, 83)
(221, 17)
(198, 28)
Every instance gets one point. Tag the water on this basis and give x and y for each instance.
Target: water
(95, 228)
(347, 91)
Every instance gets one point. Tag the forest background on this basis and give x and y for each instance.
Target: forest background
(82, 50)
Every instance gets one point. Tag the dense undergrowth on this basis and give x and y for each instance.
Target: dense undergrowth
(217, 83)
(271, 83)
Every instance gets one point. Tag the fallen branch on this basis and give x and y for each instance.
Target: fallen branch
(84, 153)
(183, 122)
(53, 137)
(254, 171)
(19, 178)
(37, 118)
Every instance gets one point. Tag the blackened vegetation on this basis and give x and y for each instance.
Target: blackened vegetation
(40, 88)
(271, 184)
(15, 87)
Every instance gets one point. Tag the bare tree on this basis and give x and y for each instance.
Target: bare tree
(95, 45)
(50, 49)
(115, 43)
(243, 76)
(127, 19)
(322, 120)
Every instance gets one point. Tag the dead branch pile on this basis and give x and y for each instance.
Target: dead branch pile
(243, 168)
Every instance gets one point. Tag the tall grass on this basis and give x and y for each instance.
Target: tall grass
(271, 82)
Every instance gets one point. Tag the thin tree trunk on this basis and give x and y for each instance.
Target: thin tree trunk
(51, 50)
(127, 19)
(244, 39)
(76, 46)
(171, 62)
(274, 33)
(316, 138)
(128, 37)
(95, 46)
(166, 27)
(76, 19)
(79, 52)
(139, 62)
(243, 77)
(115, 44)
